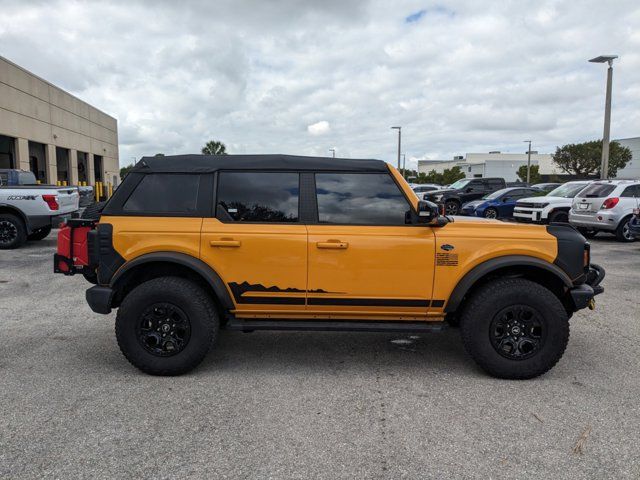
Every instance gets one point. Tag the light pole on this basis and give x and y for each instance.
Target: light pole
(528, 162)
(604, 166)
(399, 142)
(404, 165)
(333, 151)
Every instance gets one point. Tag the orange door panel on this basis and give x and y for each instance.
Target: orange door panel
(371, 271)
(263, 265)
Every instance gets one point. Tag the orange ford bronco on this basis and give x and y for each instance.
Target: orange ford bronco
(191, 244)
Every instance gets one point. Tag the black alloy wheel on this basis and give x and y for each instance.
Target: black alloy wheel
(8, 232)
(164, 329)
(516, 332)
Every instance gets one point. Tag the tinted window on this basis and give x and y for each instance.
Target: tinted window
(164, 193)
(568, 190)
(258, 197)
(598, 190)
(360, 199)
(632, 191)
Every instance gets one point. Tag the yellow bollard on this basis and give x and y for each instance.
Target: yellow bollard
(95, 191)
(110, 190)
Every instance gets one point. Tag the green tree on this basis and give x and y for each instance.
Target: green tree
(125, 170)
(213, 147)
(583, 159)
(534, 176)
(451, 175)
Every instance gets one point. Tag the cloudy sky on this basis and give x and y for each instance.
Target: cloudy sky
(300, 77)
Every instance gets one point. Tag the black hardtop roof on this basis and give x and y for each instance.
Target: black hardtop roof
(212, 163)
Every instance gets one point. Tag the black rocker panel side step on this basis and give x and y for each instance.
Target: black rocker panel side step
(334, 326)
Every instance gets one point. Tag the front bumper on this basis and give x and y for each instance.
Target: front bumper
(591, 220)
(583, 295)
(530, 215)
(99, 299)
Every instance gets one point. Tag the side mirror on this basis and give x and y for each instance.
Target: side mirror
(506, 199)
(428, 212)
(469, 189)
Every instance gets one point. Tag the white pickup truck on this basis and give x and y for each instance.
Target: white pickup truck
(28, 212)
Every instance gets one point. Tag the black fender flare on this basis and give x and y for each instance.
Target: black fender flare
(194, 264)
(479, 271)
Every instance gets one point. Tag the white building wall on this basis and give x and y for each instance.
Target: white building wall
(632, 170)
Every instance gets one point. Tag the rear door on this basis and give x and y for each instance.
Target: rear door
(256, 242)
(365, 260)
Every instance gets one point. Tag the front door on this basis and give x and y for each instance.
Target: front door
(257, 244)
(365, 260)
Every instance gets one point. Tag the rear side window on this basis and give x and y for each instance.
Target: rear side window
(360, 199)
(263, 197)
(597, 190)
(159, 193)
(631, 191)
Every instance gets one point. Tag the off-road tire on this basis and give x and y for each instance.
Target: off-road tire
(560, 217)
(40, 234)
(490, 299)
(620, 231)
(93, 211)
(451, 207)
(184, 294)
(14, 226)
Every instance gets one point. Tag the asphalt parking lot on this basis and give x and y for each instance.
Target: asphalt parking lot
(310, 405)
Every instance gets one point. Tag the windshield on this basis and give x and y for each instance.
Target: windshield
(568, 190)
(459, 184)
(497, 194)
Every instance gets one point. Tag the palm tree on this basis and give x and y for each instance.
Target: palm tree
(214, 147)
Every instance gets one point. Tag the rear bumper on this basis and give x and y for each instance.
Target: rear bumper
(582, 295)
(590, 220)
(99, 299)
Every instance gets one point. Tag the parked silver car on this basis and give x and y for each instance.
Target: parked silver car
(606, 205)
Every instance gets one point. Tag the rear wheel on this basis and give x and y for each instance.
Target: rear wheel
(623, 232)
(559, 217)
(514, 328)
(13, 232)
(40, 234)
(166, 326)
(491, 213)
(451, 208)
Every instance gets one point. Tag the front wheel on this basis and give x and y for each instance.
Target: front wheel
(491, 213)
(166, 326)
(514, 328)
(559, 217)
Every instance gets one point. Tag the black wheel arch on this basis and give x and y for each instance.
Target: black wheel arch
(548, 274)
(158, 264)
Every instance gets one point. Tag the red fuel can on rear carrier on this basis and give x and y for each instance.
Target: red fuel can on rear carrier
(73, 248)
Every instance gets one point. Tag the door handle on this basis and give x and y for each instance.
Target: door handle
(225, 243)
(333, 245)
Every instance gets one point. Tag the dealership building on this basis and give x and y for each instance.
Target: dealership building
(506, 165)
(55, 135)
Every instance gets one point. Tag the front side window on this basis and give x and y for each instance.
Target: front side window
(160, 193)
(269, 197)
(360, 199)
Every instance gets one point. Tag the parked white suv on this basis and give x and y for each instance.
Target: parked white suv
(552, 207)
(606, 205)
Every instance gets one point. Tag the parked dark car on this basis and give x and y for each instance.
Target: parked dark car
(498, 204)
(463, 191)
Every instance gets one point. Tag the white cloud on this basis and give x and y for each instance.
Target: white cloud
(464, 76)
(319, 128)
